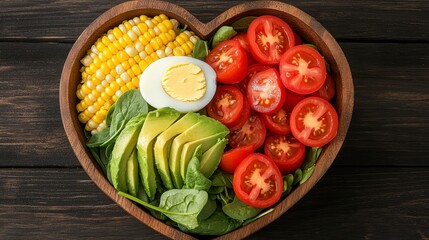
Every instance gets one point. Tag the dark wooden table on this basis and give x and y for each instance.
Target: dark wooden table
(378, 187)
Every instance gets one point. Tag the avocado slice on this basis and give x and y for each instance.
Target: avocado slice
(189, 149)
(124, 145)
(163, 143)
(204, 128)
(156, 122)
(133, 173)
(211, 158)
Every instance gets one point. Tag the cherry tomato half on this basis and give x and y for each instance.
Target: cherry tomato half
(242, 39)
(302, 69)
(265, 92)
(226, 105)
(327, 91)
(286, 151)
(269, 37)
(314, 122)
(252, 70)
(233, 157)
(229, 60)
(257, 181)
(292, 99)
(245, 114)
(278, 122)
(252, 133)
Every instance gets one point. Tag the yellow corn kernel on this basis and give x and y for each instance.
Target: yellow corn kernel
(178, 51)
(83, 118)
(122, 56)
(122, 42)
(127, 25)
(112, 48)
(131, 73)
(127, 39)
(151, 32)
(125, 65)
(100, 46)
(158, 19)
(143, 18)
(117, 33)
(124, 88)
(118, 44)
(135, 81)
(143, 65)
(130, 85)
(136, 69)
(120, 82)
(186, 48)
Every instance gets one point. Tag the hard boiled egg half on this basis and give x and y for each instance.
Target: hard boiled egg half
(183, 83)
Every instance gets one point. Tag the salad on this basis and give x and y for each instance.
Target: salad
(206, 135)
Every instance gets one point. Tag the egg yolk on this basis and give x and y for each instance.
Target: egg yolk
(184, 82)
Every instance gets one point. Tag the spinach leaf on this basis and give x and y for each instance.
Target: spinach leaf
(129, 105)
(194, 178)
(97, 139)
(309, 163)
(222, 34)
(184, 205)
(243, 24)
(221, 179)
(201, 50)
(258, 216)
(239, 210)
(109, 115)
(217, 224)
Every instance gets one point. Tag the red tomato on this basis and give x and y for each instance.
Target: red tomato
(229, 60)
(302, 69)
(269, 37)
(314, 122)
(252, 70)
(257, 181)
(231, 158)
(242, 39)
(245, 114)
(292, 99)
(286, 151)
(252, 133)
(265, 93)
(226, 105)
(298, 39)
(278, 122)
(327, 91)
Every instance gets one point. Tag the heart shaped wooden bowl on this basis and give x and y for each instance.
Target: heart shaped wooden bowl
(302, 23)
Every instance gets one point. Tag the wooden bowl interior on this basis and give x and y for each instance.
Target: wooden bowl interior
(302, 23)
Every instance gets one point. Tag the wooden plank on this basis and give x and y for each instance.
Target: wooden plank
(348, 203)
(31, 132)
(346, 20)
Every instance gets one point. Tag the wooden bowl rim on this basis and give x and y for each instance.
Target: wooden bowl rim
(134, 8)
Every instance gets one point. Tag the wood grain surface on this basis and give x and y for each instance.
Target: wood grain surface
(377, 188)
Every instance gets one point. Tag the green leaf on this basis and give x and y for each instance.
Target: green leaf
(310, 163)
(243, 24)
(258, 216)
(297, 176)
(201, 50)
(217, 224)
(194, 178)
(239, 210)
(184, 205)
(109, 115)
(222, 34)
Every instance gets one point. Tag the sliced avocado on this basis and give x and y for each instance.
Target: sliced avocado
(189, 149)
(211, 158)
(133, 173)
(124, 145)
(163, 142)
(156, 122)
(204, 128)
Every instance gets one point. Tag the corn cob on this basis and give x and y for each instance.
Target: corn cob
(116, 60)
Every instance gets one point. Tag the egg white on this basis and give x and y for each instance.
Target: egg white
(154, 94)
